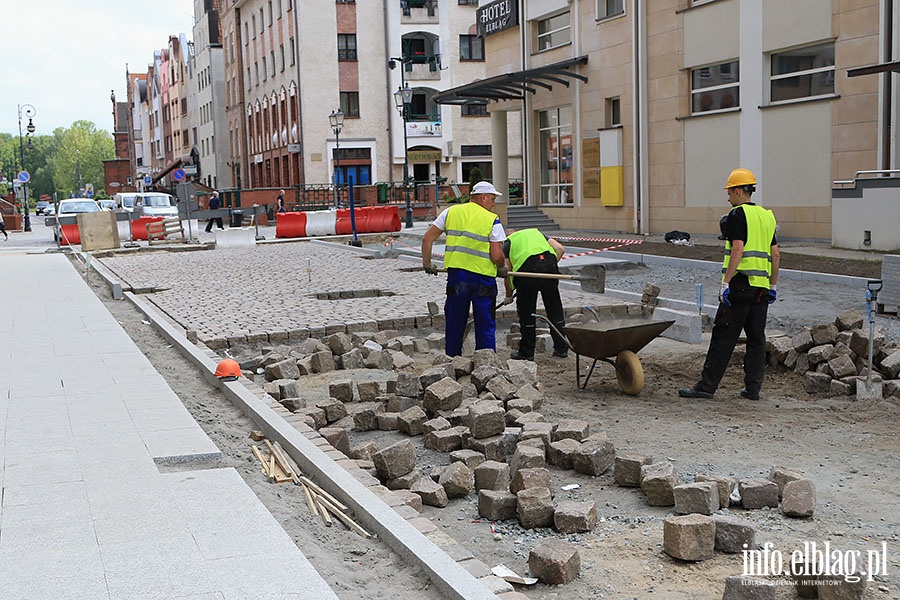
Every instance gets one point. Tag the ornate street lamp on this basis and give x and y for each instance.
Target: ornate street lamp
(29, 111)
(402, 98)
(336, 118)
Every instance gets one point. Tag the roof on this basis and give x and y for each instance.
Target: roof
(513, 86)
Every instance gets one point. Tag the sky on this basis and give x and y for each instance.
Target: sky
(63, 57)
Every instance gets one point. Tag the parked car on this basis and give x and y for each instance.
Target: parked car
(71, 207)
(108, 204)
(125, 200)
(41, 207)
(155, 204)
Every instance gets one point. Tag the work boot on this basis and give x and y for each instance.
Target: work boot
(749, 395)
(561, 353)
(694, 393)
(519, 356)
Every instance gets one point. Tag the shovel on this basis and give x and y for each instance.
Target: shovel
(592, 277)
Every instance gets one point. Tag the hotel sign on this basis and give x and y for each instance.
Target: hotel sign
(497, 16)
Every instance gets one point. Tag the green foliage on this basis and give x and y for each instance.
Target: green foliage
(54, 159)
(475, 176)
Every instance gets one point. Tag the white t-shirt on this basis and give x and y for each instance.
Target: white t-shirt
(498, 234)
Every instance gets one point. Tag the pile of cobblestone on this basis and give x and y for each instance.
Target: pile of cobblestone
(834, 358)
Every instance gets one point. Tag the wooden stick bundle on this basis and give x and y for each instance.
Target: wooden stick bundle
(279, 467)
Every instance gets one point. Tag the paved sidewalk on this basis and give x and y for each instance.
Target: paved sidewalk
(85, 420)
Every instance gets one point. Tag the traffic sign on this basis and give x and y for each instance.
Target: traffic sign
(178, 174)
(24, 176)
(148, 180)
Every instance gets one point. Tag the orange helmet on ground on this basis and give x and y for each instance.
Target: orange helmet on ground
(229, 369)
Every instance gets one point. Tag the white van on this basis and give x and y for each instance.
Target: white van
(155, 204)
(125, 200)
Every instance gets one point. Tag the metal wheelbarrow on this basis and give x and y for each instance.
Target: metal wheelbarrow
(614, 341)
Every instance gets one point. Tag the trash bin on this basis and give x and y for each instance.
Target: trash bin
(382, 193)
(237, 218)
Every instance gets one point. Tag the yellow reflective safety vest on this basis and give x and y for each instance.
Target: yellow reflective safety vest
(756, 262)
(526, 243)
(468, 230)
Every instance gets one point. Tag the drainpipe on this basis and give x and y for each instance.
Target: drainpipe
(527, 187)
(297, 47)
(886, 93)
(639, 76)
(389, 107)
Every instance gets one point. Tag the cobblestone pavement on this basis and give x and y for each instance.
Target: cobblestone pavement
(280, 291)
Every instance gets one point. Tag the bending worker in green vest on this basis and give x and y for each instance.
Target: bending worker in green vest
(472, 257)
(749, 275)
(530, 251)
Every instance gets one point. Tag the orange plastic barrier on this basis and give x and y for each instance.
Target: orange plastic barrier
(291, 225)
(344, 225)
(139, 227)
(69, 235)
(382, 219)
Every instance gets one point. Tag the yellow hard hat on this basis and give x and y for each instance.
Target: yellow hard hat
(740, 177)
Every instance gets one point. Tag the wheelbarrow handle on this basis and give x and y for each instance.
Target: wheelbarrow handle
(556, 329)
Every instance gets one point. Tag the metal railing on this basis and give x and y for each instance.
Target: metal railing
(871, 172)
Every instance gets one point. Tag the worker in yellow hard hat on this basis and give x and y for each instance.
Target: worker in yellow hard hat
(749, 275)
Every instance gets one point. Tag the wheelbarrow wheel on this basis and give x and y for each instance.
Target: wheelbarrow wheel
(629, 373)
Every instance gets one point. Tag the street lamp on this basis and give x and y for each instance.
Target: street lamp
(402, 98)
(336, 118)
(28, 111)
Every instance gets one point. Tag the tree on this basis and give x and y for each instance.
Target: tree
(78, 158)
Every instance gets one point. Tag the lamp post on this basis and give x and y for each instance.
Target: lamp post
(28, 111)
(336, 118)
(402, 98)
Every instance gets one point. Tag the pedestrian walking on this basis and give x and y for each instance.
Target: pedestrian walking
(749, 275)
(474, 258)
(3, 229)
(530, 251)
(214, 204)
(279, 202)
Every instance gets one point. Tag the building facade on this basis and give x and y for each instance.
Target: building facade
(638, 110)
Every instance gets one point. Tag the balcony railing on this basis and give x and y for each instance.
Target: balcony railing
(408, 5)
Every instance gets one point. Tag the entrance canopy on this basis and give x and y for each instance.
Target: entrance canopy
(873, 69)
(513, 86)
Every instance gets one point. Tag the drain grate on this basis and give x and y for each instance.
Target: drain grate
(351, 294)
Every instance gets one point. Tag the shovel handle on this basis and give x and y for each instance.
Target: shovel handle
(538, 275)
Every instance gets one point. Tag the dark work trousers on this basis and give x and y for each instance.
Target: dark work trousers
(217, 221)
(527, 290)
(465, 288)
(747, 313)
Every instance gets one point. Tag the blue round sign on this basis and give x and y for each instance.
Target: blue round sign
(24, 176)
(148, 180)
(178, 174)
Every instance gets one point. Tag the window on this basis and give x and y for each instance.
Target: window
(609, 8)
(613, 112)
(555, 138)
(803, 73)
(265, 70)
(474, 110)
(293, 52)
(471, 47)
(281, 56)
(272, 61)
(346, 46)
(473, 150)
(350, 104)
(468, 2)
(553, 31)
(716, 87)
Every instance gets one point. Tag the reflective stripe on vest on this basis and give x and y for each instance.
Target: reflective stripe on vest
(526, 243)
(756, 262)
(469, 239)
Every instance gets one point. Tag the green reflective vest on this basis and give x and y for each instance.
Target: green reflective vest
(525, 243)
(468, 230)
(756, 262)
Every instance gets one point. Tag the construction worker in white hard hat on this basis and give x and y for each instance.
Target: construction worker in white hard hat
(749, 275)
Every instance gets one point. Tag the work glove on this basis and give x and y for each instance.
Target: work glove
(507, 301)
(431, 269)
(724, 293)
(773, 295)
(502, 272)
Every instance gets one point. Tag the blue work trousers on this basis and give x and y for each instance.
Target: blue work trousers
(465, 288)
